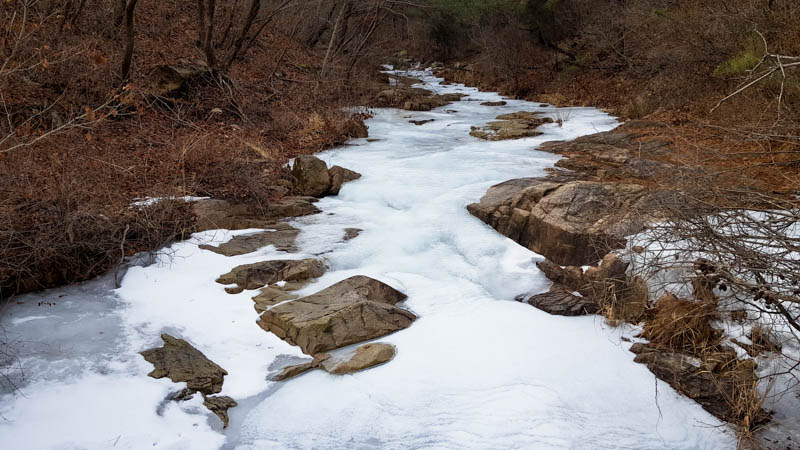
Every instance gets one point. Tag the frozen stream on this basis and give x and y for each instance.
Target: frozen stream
(476, 370)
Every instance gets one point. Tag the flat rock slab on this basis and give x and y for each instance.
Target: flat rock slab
(280, 235)
(354, 310)
(561, 302)
(254, 276)
(211, 214)
(366, 356)
(180, 362)
(500, 103)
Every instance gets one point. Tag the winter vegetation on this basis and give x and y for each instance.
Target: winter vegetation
(569, 223)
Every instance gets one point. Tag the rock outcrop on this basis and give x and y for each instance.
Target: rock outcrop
(354, 310)
(180, 362)
(280, 235)
(712, 381)
(511, 126)
(623, 153)
(313, 178)
(573, 223)
(256, 275)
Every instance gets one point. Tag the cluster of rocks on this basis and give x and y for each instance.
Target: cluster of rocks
(511, 126)
(582, 213)
(354, 310)
(413, 99)
(605, 288)
(313, 177)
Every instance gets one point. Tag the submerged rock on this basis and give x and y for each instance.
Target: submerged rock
(280, 235)
(254, 276)
(353, 310)
(500, 103)
(219, 405)
(351, 233)
(180, 362)
(573, 223)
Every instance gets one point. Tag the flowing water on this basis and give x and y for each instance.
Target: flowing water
(475, 370)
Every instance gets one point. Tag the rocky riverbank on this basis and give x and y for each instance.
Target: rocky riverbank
(607, 188)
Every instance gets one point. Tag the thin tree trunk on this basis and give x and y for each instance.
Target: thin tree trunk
(334, 35)
(128, 59)
(255, 6)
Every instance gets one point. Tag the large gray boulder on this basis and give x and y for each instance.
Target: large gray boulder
(354, 310)
(573, 223)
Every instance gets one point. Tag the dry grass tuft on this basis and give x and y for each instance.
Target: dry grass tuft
(682, 326)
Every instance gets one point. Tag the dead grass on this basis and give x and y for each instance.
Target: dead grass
(682, 326)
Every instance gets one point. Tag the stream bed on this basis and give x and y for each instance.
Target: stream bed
(475, 370)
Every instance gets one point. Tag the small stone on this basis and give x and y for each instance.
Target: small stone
(219, 405)
(365, 356)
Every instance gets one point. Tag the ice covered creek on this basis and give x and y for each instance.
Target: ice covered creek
(475, 370)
